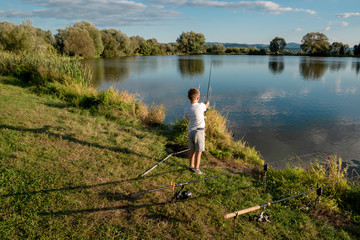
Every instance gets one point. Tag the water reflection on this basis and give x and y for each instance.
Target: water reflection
(190, 67)
(336, 66)
(356, 67)
(276, 64)
(312, 69)
(108, 70)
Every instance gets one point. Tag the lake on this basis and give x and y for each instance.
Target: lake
(281, 105)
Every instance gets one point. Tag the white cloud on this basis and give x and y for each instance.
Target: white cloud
(344, 24)
(111, 13)
(99, 12)
(268, 6)
(327, 28)
(347, 15)
(298, 29)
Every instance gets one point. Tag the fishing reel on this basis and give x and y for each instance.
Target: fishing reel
(262, 217)
(182, 195)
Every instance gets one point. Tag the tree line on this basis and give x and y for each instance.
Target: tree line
(83, 39)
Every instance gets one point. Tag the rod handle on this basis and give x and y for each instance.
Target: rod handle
(241, 212)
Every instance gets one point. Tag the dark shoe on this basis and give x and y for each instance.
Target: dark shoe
(191, 169)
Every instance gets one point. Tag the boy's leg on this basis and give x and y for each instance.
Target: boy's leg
(192, 158)
(197, 160)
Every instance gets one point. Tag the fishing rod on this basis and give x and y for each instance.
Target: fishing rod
(207, 94)
(163, 160)
(263, 206)
(194, 181)
(207, 178)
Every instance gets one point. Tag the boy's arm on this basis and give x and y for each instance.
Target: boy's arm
(207, 103)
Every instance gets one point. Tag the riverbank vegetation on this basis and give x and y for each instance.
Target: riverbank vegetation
(85, 40)
(70, 81)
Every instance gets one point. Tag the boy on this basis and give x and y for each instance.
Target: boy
(196, 136)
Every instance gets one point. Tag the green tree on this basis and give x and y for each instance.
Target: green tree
(115, 43)
(216, 48)
(79, 43)
(315, 43)
(74, 40)
(94, 34)
(357, 50)
(338, 48)
(277, 45)
(22, 38)
(135, 42)
(191, 42)
(145, 48)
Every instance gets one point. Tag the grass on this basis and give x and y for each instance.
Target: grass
(66, 173)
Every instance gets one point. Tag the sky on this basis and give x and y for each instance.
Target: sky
(252, 22)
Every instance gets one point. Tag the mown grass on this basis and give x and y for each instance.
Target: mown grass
(66, 173)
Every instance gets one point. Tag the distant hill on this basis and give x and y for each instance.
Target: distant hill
(289, 46)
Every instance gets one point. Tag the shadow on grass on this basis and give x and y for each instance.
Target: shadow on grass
(129, 207)
(10, 80)
(83, 187)
(45, 130)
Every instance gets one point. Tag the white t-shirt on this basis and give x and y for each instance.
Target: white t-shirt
(195, 114)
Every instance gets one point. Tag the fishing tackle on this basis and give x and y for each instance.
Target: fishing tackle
(319, 192)
(251, 209)
(163, 160)
(198, 180)
(185, 183)
(207, 94)
(182, 195)
(262, 217)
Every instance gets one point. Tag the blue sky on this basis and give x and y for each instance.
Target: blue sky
(219, 20)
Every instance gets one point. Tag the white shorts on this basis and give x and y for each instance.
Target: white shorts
(197, 140)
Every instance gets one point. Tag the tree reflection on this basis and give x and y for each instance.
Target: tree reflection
(312, 68)
(190, 67)
(276, 65)
(108, 70)
(356, 66)
(337, 66)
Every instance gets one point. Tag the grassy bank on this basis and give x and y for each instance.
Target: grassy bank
(66, 172)
(69, 80)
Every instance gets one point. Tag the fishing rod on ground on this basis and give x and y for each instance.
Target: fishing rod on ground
(163, 160)
(264, 217)
(136, 194)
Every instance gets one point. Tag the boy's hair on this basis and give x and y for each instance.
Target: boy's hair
(193, 93)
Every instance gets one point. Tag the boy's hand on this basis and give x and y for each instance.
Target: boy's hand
(207, 103)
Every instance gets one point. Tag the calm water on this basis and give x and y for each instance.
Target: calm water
(281, 105)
